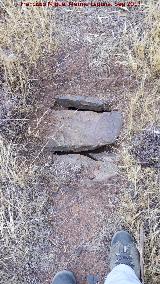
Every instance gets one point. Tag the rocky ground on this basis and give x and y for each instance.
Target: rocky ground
(86, 183)
(84, 211)
(78, 178)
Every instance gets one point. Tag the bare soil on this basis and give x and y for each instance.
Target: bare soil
(84, 220)
(86, 62)
(80, 220)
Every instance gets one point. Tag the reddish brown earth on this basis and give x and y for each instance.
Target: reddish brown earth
(85, 219)
(82, 218)
(90, 56)
(86, 62)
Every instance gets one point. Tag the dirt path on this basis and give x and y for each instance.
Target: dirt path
(87, 59)
(60, 210)
(85, 219)
(89, 55)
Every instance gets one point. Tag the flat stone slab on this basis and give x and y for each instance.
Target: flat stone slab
(83, 103)
(77, 131)
(73, 165)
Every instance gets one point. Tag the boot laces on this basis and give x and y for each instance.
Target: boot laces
(124, 258)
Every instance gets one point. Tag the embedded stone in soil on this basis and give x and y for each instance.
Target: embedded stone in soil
(91, 171)
(77, 131)
(82, 213)
(84, 103)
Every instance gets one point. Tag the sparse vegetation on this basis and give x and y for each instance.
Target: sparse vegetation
(23, 222)
(26, 36)
(140, 205)
(26, 33)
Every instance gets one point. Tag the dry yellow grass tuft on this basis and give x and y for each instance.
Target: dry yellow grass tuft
(140, 207)
(21, 209)
(144, 57)
(26, 36)
(13, 168)
(13, 228)
(140, 203)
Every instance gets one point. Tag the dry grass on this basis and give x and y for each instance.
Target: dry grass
(13, 228)
(26, 36)
(146, 47)
(23, 228)
(141, 44)
(13, 168)
(140, 204)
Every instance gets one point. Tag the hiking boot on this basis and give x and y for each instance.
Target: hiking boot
(124, 251)
(64, 277)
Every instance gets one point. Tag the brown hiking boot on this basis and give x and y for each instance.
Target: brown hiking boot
(124, 251)
(64, 277)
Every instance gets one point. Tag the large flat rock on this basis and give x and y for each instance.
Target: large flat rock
(76, 131)
(84, 103)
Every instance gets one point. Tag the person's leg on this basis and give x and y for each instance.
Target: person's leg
(122, 274)
(124, 260)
